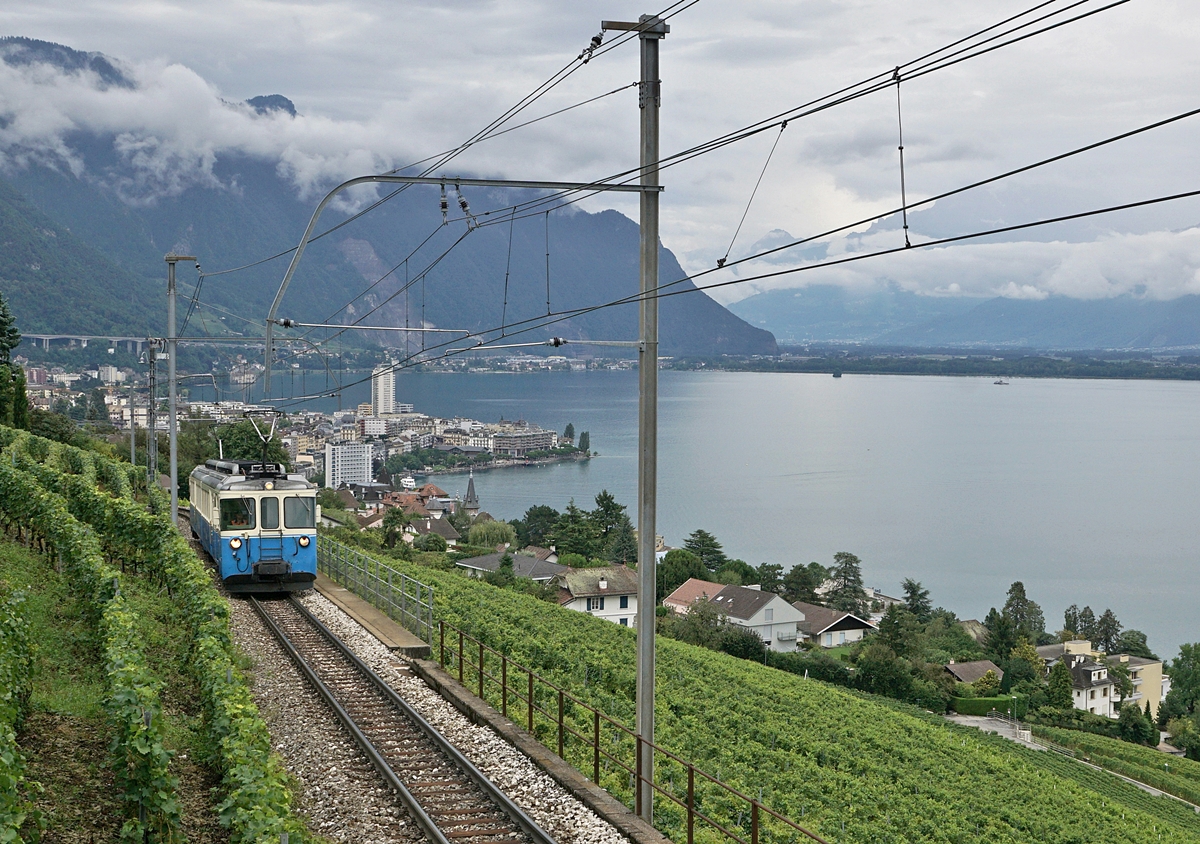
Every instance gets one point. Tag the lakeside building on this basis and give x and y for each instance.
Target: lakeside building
(383, 390)
(1094, 690)
(347, 463)
(609, 592)
(773, 619)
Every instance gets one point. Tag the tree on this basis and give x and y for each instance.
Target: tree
(97, 410)
(737, 572)
(491, 534)
(608, 513)
(395, 520)
(1071, 619)
(742, 642)
(1027, 652)
(1185, 676)
(1060, 690)
(576, 533)
(1133, 726)
(1026, 615)
(705, 546)
(1185, 734)
(503, 576)
(20, 400)
(10, 337)
(585, 442)
(1002, 634)
(569, 432)
(621, 547)
(1122, 682)
(988, 685)
(770, 577)
(1108, 630)
(801, 583)
(1133, 642)
(916, 599)
(1087, 624)
(899, 630)
(677, 567)
(538, 524)
(847, 594)
(242, 442)
(52, 426)
(429, 542)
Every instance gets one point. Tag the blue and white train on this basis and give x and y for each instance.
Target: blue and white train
(258, 523)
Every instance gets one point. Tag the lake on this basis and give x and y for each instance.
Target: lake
(1085, 490)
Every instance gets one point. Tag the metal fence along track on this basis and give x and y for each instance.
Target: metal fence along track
(405, 600)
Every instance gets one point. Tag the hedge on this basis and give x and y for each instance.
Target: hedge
(16, 665)
(257, 806)
(984, 705)
(141, 761)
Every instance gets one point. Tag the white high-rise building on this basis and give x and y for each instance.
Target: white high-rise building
(383, 390)
(348, 463)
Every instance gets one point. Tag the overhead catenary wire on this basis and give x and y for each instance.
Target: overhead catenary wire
(903, 189)
(721, 261)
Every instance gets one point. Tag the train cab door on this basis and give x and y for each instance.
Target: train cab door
(270, 537)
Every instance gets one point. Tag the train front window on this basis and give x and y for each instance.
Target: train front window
(270, 513)
(237, 513)
(299, 512)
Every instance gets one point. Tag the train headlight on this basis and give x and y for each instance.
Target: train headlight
(304, 541)
(269, 485)
(235, 543)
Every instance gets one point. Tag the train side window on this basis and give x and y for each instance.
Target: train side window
(237, 513)
(269, 511)
(299, 512)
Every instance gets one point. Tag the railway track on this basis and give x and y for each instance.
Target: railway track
(447, 797)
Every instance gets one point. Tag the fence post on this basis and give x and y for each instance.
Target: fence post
(753, 822)
(442, 641)
(481, 671)
(637, 778)
(560, 725)
(403, 599)
(530, 670)
(691, 803)
(596, 746)
(504, 685)
(460, 656)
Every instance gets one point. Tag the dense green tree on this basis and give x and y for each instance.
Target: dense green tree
(847, 594)
(1002, 635)
(1026, 615)
(1185, 676)
(1122, 682)
(705, 546)
(53, 426)
(569, 432)
(678, 565)
(608, 513)
(988, 685)
(916, 599)
(503, 576)
(491, 534)
(1060, 690)
(395, 520)
(1170, 708)
(701, 625)
(1027, 653)
(1108, 632)
(1086, 629)
(881, 672)
(737, 572)
(20, 413)
(1071, 619)
(97, 410)
(242, 442)
(1133, 642)
(537, 525)
(585, 441)
(945, 639)
(620, 548)
(1133, 726)
(770, 577)
(801, 583)
(576, 533)
(10, 337)
(742, 643)
(429, 542)
(900, 631)
(1184, 733)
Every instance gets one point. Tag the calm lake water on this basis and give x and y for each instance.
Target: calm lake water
(1085, 490)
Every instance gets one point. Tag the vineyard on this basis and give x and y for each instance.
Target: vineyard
(1180, 777)
(851, 769)
(80, 509)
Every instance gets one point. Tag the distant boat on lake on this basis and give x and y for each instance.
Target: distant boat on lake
(1001, 382)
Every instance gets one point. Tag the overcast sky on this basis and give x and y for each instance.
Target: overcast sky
(380, 84)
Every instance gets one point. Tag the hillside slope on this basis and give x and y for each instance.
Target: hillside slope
(850, 768)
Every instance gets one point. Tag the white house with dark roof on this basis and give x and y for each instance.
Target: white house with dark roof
(691, 590)
(609, 592)
(830, 628)
(767, 614)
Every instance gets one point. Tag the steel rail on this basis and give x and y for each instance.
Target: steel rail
(514, 812)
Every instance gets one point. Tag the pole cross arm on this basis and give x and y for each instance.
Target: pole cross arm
(413, 180)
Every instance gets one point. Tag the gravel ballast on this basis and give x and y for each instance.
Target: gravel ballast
(340, 792)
